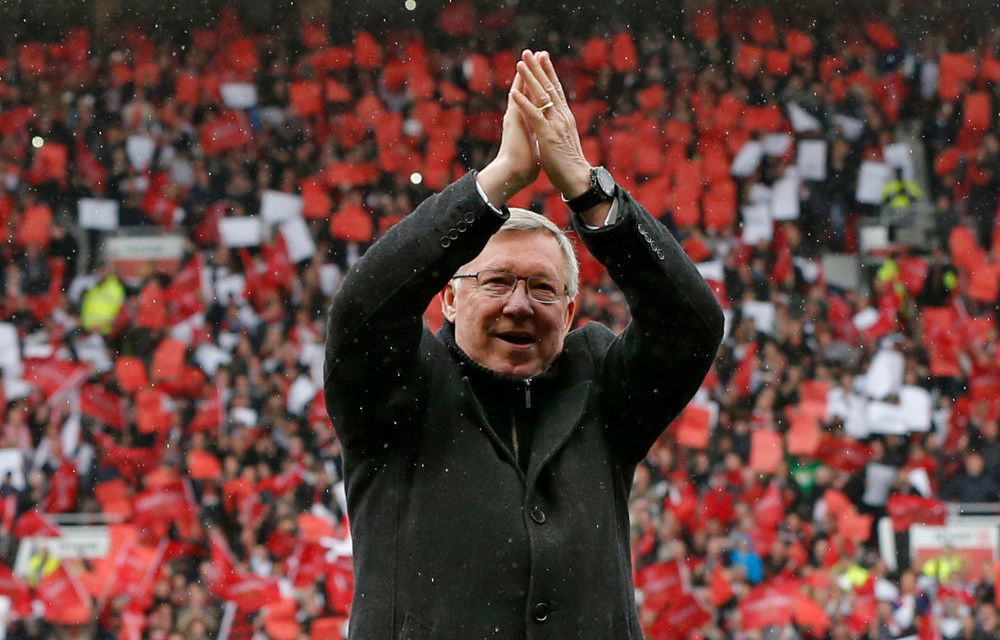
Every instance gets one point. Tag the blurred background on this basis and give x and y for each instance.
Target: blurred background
(185, 184)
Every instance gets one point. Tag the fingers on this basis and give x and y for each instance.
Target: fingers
(538, 94)
(532, 114)
(547, 83)
(550, 73)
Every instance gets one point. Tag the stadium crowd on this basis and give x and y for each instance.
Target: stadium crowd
(179, 399)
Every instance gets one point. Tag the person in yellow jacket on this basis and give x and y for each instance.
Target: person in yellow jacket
(41, 564)
(899, 194)
(101, 303)
(943, 566)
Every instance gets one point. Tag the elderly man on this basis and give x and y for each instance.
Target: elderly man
(489, 466)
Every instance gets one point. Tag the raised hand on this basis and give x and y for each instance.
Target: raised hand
(542, 101)
(517, 163)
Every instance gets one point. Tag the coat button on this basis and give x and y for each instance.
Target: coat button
(537, 514)
(541, 612)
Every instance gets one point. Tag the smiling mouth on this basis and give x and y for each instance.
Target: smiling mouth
(519, 339)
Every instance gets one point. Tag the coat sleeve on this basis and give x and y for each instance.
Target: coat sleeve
(655, 366)
(371, 375)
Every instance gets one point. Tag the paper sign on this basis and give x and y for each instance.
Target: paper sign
(298, 242)
(238, 95)
(762, 314)
(299, 394)
(757, 225)
(747, 160)
(856, 420)
(776, 144)
(899, 155)
(229, 289)
(885, 417)
(920, 481)
(785, 198)
(871, 179)
(210, 357)
(917, 407)
(139, 150)
(711, 270)
(244, 231)
(12, 462)
(801, 119)
(811, 159)
(759, 194)
(766, 450)
(99, 214)
(810, 269)
(885, 374)
(278, 207)
(10, 352)
(878, 480)
(329, 278)
(852, 127)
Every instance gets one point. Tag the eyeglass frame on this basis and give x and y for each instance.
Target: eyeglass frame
(517, 278)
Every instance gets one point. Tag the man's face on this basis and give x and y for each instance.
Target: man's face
(514, 335)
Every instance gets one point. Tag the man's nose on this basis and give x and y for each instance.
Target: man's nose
(519, 302)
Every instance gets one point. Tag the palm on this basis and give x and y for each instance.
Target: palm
(518, 146)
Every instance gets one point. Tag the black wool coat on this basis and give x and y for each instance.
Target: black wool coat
(453, 540)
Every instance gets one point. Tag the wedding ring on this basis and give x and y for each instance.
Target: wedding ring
(547, 105)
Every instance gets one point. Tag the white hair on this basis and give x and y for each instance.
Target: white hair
(524, 220)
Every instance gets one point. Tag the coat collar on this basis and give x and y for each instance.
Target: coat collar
(559, 398)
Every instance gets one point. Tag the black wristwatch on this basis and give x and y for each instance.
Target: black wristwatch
(602, 189)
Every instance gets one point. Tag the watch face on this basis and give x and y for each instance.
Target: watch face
(604, 181)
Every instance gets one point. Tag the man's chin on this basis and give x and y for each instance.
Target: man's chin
(518, 369)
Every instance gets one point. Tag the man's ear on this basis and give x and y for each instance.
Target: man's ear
(448, 301)
(570, 314)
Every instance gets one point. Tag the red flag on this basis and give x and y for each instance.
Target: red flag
(739, 384)
(327, 629)
(63, 487)
(281, 483)
(228, 131)
(909, 510)
(660, 582)
(769, 510)
(279, 620)
(683, 615)
(153, 415)
(64, 598)
(32, 523)
(210, 413)
(251, 592)
(106, 406)
(766, 450)
(223, 562)
(15, 589)
(810, 614)
(721, 589)
(340, 585)
(844, 454)
(280, 270)
(692, 427)
(768, 604)
(55, 378)
(202, 465)
(157, 508)
(184, 292)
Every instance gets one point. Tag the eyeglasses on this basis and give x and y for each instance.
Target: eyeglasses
(500, 284)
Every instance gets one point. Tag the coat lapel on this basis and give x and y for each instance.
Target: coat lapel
(558, 418)
(484, 420)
